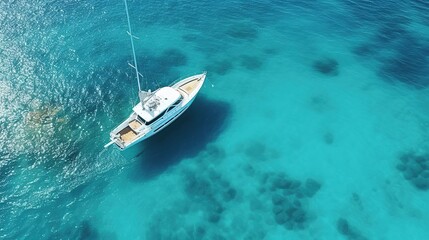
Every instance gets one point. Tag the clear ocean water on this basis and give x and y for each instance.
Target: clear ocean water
(313, 124)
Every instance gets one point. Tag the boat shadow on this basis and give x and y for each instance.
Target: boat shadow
(200, 125)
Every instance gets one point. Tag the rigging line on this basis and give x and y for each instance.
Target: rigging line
(132, 44)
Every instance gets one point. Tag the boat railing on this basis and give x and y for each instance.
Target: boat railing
(145, 130)
(181, 78)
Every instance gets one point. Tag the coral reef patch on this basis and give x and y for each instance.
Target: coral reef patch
(243, 32)
(415, 169)
(326, 66)
(250, 62)
(345, 229)
(328, 138)
(289, 199)
(221, 67)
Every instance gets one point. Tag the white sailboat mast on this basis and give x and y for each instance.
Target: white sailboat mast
(132, 46)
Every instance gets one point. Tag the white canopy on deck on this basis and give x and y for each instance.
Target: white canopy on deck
(157, 103)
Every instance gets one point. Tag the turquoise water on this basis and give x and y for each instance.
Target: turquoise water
(313, 124)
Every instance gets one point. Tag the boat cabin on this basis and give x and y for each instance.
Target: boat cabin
(157, 104)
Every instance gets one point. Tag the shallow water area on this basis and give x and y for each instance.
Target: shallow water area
(313, 122)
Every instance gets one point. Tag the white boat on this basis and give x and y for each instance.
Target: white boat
(157, 109)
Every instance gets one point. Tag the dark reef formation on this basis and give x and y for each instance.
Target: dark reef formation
(163, 66)
(328, 138)
(243, 32)
(83, 230)
(221, 67)
(345, 229)
(211, 191)
(88, 232)
(172, 58)
(257, 151)
(401, 53)
(212, 199)
(326, 66)
(415, 169)
(208, 196)
(409, 63)
(250, 62)
(289, 198)
(320, 103)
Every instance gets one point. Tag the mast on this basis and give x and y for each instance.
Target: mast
(132, 46)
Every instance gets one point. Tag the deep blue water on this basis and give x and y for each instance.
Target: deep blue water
(313, 124)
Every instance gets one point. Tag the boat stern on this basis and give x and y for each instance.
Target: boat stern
(129, 132)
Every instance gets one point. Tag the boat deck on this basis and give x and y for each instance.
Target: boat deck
(127, 135)
(134, 124)
(189, 87)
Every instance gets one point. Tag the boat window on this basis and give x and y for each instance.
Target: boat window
(162, 113)
(156, 118)
(141, 119)
(178, 100)
(156, 130)
(174, 104)
(171, 107)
